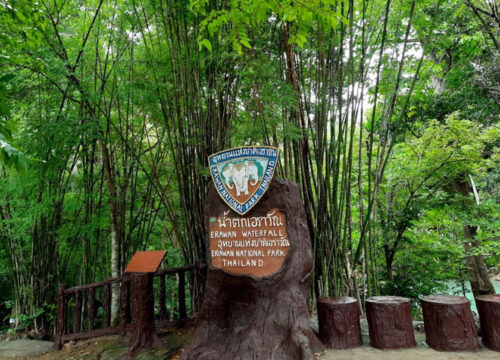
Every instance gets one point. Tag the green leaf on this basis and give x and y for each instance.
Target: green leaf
(206, 44)
(245, 43)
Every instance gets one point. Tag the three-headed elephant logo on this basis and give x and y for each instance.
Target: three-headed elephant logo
(242, 175)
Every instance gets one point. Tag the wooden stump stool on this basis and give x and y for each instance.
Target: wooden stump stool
(448, 322)
(488, 307)
(389, 322)
(338, 319)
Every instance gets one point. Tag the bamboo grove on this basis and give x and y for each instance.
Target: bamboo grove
(117, 104)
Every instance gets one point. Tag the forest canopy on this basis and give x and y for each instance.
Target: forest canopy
(386, 113)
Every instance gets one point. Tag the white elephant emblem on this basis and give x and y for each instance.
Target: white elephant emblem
(253, 172)
(240, 177)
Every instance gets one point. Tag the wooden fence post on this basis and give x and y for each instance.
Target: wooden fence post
(182, 296)
(199, 284)
(163, 308)
(77, 312)
(61, 317)
(143, 333)
(107, 306)
(124, 305)
(92, 309)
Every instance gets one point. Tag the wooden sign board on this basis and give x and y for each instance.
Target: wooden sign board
(255, 246)
(146, 261)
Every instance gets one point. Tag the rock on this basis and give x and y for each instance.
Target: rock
(23, 348)
(419, 326)
(314, 323)
(364, 327)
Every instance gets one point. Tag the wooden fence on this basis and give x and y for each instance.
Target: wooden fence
(87, 322)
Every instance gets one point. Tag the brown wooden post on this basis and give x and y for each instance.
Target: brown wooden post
(182, 295)
(488, 307)
(92, 308)
(61, 317)
(338, 319)
(77, 312)
(200, 276)
(163, 308)
(124, 305)
(389, 322)
(448, 323)
(107, 306)
(142, 301)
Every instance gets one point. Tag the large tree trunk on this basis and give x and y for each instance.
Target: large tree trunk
(116, 233)
(250, 318)
(478, 273)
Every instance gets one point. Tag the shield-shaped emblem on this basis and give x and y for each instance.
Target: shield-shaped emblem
(242, 175)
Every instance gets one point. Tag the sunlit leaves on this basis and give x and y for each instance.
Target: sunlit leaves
(245, 16)
(9, 155)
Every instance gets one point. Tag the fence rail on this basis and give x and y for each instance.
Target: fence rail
(86, 320)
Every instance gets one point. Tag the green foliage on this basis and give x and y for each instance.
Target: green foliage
(424, 171)
(244, 17)
(121, 103)
(9, 155)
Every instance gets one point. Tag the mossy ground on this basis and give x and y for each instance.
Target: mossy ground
(113, 347)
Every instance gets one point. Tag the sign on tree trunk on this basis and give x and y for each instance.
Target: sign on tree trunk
(259, 273)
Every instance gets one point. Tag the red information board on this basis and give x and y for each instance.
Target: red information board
(146, 261)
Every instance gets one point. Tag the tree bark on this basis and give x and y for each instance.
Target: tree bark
(116, 233)
(249, 318)
(478, 273)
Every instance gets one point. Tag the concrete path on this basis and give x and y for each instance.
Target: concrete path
(366, 352)
(23, 348)
(421, 352)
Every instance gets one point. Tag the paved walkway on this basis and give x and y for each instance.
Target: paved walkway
(366, 352)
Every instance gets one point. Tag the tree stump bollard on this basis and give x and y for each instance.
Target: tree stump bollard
(338, 319)
(488, 307)
(389, 322)
(448, 322)
(143, 322)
